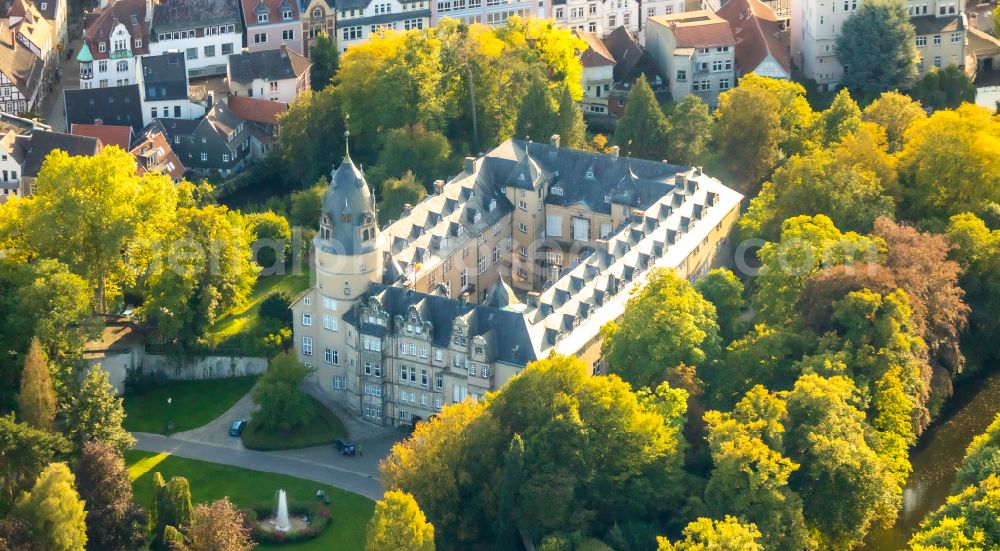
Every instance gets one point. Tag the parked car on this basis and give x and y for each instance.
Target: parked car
(345, 447)
(237, 427)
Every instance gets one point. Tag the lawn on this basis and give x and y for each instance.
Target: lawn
(245, 320)
(193, 403)
(322, 430)
(210, 481)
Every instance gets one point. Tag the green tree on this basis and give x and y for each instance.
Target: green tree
(277, 306)
(842, 118)
(310, 137)
(877, 45)
(977, 250)
(643, 130)
(397, 193)
(536, 119)
(724, 290)
(424, 153)
(307, 205)
(114, 523)
(325, 57)
(96, 414)
(399, 523)
(202, 270)
(944, 88)
(690, 125)
(570, 484)
(846, 486)
(570, 126)
(818, 184)
(808, 244)
(95, 215)
(751, 476)
(55, 511)
(715, 535)
(665, 324)
(895, 113)
(949, 164)
(282, 404)
(172, 506)
(217, 526)
(982, 458)
(26, 451)
(508, 529)
(271, 238)
(767, 355)
(36, 401)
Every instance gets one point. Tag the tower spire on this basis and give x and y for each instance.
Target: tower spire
(347, 137)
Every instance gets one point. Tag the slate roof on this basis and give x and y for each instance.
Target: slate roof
(276, 64)
(21, 66)
(101, 22)
(273, 9)
(596, 54)
(256, 109)
(697, 29)
(43, 142)
(109, 134)
(350, 4)
(177, 15)
(153, 153)
(49, 9)
(932, 24)
(506, 332)
(117, 105)
(383, 17)
(756, 30)
(164, 76)
(631, 59)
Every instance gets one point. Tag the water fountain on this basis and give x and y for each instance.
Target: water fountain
(281, 523)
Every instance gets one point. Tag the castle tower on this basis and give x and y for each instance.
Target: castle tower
(348, 252)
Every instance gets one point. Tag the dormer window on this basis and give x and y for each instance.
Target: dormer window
(589, 174)
(102, 47)
(607, 198)
(476, 217)
(262, 18)
(493, 205)
(557, 190)
(286, 15)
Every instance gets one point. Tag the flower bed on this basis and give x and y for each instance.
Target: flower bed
(317, 514)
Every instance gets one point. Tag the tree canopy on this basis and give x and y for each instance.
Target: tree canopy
(877, 47)
(55, 511)
(399, 523)
(945, 88)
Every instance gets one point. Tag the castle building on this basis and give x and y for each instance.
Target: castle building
(530, 250)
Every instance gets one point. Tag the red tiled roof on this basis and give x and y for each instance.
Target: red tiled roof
(100, 23)
(154, 153)
(756, 30)
(697, 29)
(256, 109)
(273, 11)
(597, 53)
(109, 134)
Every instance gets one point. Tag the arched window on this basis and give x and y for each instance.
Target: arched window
(317, 13)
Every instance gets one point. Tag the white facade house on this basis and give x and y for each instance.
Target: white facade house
(696, 51)
(359, 20)
(11, 156)
(207, 31)
(277, 75)
(165, 89)
(489, 12)
(114, 37)
(603, 16)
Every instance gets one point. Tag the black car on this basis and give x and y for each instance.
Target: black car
(345, 447)
(237, 427)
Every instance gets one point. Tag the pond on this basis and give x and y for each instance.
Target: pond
(937, 456)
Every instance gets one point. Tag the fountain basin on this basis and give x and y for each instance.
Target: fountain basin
(306, 520)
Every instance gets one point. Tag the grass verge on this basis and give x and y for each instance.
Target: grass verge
(321, 431)
(193, 403)
(211, 481)
(246, 320)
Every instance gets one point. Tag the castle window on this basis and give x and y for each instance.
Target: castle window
(557, 190)
(493, 205)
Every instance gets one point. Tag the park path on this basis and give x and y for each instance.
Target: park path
(271, 462)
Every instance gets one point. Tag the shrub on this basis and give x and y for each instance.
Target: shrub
(277, 306)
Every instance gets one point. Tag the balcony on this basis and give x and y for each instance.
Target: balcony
(121, 54)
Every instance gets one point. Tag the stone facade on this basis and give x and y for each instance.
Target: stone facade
(403, 320)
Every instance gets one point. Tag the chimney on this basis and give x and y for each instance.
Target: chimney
(407, 208)
(554, 141)
(614, 152)
(149, 10)
(438, 187)
(470, 165)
